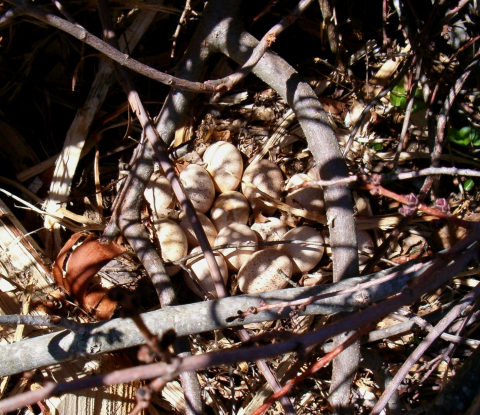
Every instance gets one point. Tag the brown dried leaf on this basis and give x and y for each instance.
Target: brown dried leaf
(75, 268)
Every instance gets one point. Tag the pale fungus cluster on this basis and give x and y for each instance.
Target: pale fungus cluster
(228, 218)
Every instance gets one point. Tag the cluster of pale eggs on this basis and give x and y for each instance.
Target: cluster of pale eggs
(213, 189)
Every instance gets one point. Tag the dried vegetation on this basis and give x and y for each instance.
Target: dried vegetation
(210, 225)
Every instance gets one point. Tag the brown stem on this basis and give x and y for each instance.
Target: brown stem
(379, 190)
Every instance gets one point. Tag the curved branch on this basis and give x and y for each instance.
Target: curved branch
(325, 149)
(125, 60)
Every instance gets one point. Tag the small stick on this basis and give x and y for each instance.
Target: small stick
(187, 11)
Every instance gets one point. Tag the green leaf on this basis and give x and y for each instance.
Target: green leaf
(376, 146)
(454, 136)
(469, 133)
(468, 185)
(398, 97)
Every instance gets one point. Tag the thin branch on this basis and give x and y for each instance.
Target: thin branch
(266, 41)
(411, 203)
(361, 295)
(187, 11)
(417, 60)
(125, 60)
(423, 346)
(443, 118)
(374, 101)
(422, 323)
(313, 368)
(449, 171)
(44, 321)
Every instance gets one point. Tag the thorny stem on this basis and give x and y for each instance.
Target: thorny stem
(432, 277)
(379, 190)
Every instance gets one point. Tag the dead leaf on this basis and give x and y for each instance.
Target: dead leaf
(75, 267)
(332, 106)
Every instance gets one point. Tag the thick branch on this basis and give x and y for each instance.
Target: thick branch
(188, 319)
(325, 149)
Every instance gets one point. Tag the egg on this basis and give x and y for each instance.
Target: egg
(262, 272)
(308, 198)
(273, 230)
(365, 246)
(159, 195)
(172, 241)
(236, 233)
(199, 267)
(198, 186)
(268, 178)
(305, 256)
(207, 225)
(224, 162)
(229, 207)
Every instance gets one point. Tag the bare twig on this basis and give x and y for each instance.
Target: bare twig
(419, 321)
(423, 346)
(266, 41)
(417, 61)
(450, 171)
(187, 11)
(313, 368)
(125, 60)
(373, 102)
(361, 296)
(442, 119)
